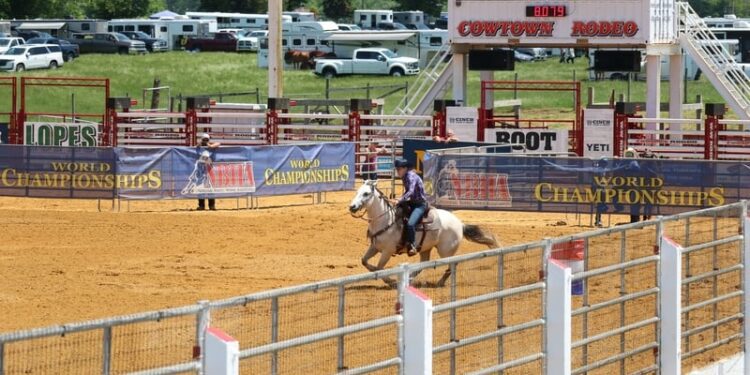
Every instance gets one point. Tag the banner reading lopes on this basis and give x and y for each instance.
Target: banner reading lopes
(633, 187)
(175, 173)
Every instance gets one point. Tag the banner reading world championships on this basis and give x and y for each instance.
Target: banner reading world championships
(238, 171)
(173, 173)
(618, 186)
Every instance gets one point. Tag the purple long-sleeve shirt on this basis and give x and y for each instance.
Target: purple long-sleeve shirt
(413, 188)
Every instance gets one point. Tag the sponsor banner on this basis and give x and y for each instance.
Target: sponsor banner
(598, 133)
(645, 187)
(173, 173)
(530, 140)
(463, 122)
(415, 150)
(241, 171)
(79, 134)
(384, 164)
(59, 172)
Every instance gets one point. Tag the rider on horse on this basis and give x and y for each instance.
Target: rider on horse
(414, 198)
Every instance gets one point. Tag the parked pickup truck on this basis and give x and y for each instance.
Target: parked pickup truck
(152, 44)
(368, 61)
(226, 42)
(108, 43)
(70, 51)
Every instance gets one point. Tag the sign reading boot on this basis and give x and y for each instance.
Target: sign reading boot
(530, 140)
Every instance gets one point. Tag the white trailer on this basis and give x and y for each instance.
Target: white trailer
(369, 19)
(409, 18)
(325, 37)
(61, 28)
(300, 16)
(174, 31)
(246, 21)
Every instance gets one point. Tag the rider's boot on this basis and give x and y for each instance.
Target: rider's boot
(412, 250)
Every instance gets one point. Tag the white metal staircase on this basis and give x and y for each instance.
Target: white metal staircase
(719, 66)
(431, 84)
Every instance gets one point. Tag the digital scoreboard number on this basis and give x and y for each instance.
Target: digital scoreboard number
(546, 11)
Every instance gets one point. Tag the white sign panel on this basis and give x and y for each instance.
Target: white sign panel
(598, 133)
(60, 134)
(463, 122)
(563, 22)
(530, 140)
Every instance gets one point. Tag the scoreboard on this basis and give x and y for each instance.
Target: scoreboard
(563, 23)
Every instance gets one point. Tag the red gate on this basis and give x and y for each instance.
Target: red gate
(90, 109)
(488, 119)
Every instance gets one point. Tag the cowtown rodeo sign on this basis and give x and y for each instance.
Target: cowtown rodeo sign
(566, 22)
(621, 186)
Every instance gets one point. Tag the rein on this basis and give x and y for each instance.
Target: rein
(389, 211)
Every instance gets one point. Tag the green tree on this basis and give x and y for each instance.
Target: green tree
(337, 9)
(431, 7)
(111, 9)
(291, 5)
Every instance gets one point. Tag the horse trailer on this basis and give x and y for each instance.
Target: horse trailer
(369, 19)
(174, 31)
(60, 28)
(245, 21)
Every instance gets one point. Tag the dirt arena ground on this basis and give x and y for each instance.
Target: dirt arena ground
(63, 261)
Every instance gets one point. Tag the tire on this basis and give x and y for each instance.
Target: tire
(53, 64)
(397, 72)
(616, 77)
(196, 49)
(329, 73)
(69, 57)
(122, 51)
(20, 68)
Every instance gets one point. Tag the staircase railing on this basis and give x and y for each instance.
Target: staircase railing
(425, 80)
(709, 53)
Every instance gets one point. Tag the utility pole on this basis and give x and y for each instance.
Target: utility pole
(275, 62)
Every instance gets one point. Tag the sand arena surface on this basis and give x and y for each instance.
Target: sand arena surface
(63, 261)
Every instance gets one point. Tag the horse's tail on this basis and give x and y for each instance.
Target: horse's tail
(474, 233)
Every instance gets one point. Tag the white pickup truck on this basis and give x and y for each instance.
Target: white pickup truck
(380, 61)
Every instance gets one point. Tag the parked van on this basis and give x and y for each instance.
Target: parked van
(32, 56)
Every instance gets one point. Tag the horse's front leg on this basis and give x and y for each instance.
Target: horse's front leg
(385, 256)
(371, 251)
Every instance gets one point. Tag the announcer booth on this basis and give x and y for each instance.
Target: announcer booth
(626, 26)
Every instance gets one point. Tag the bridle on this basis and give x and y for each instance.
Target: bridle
(390, 210)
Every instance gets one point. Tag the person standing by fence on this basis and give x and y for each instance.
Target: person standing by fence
(204, 145)
(370, 168)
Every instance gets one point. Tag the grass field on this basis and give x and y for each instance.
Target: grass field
(190, 73)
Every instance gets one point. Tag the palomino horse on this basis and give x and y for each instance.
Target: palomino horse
(385, 229)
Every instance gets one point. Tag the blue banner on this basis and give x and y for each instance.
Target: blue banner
(619, 186)
(175, 173)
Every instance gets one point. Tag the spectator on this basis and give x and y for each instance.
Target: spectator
(207, 144)
(450, 137)
(570, 56)
(370, 169)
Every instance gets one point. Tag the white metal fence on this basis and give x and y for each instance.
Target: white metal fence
(501, 311)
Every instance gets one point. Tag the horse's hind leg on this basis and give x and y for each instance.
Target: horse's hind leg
(446, 275)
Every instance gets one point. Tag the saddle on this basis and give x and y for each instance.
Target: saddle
(402, 213)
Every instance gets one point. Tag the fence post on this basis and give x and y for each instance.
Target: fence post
(558, 329)
(202, 321)
(272, 118)
(2, 356)
(670, 305)
(711, 139)
(222, 353)
(745, 278)
(106, 350)
(417, 332)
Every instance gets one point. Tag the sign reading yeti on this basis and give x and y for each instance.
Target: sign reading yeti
(61, 134)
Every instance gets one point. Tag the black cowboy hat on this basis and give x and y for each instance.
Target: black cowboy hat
(401, 163)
